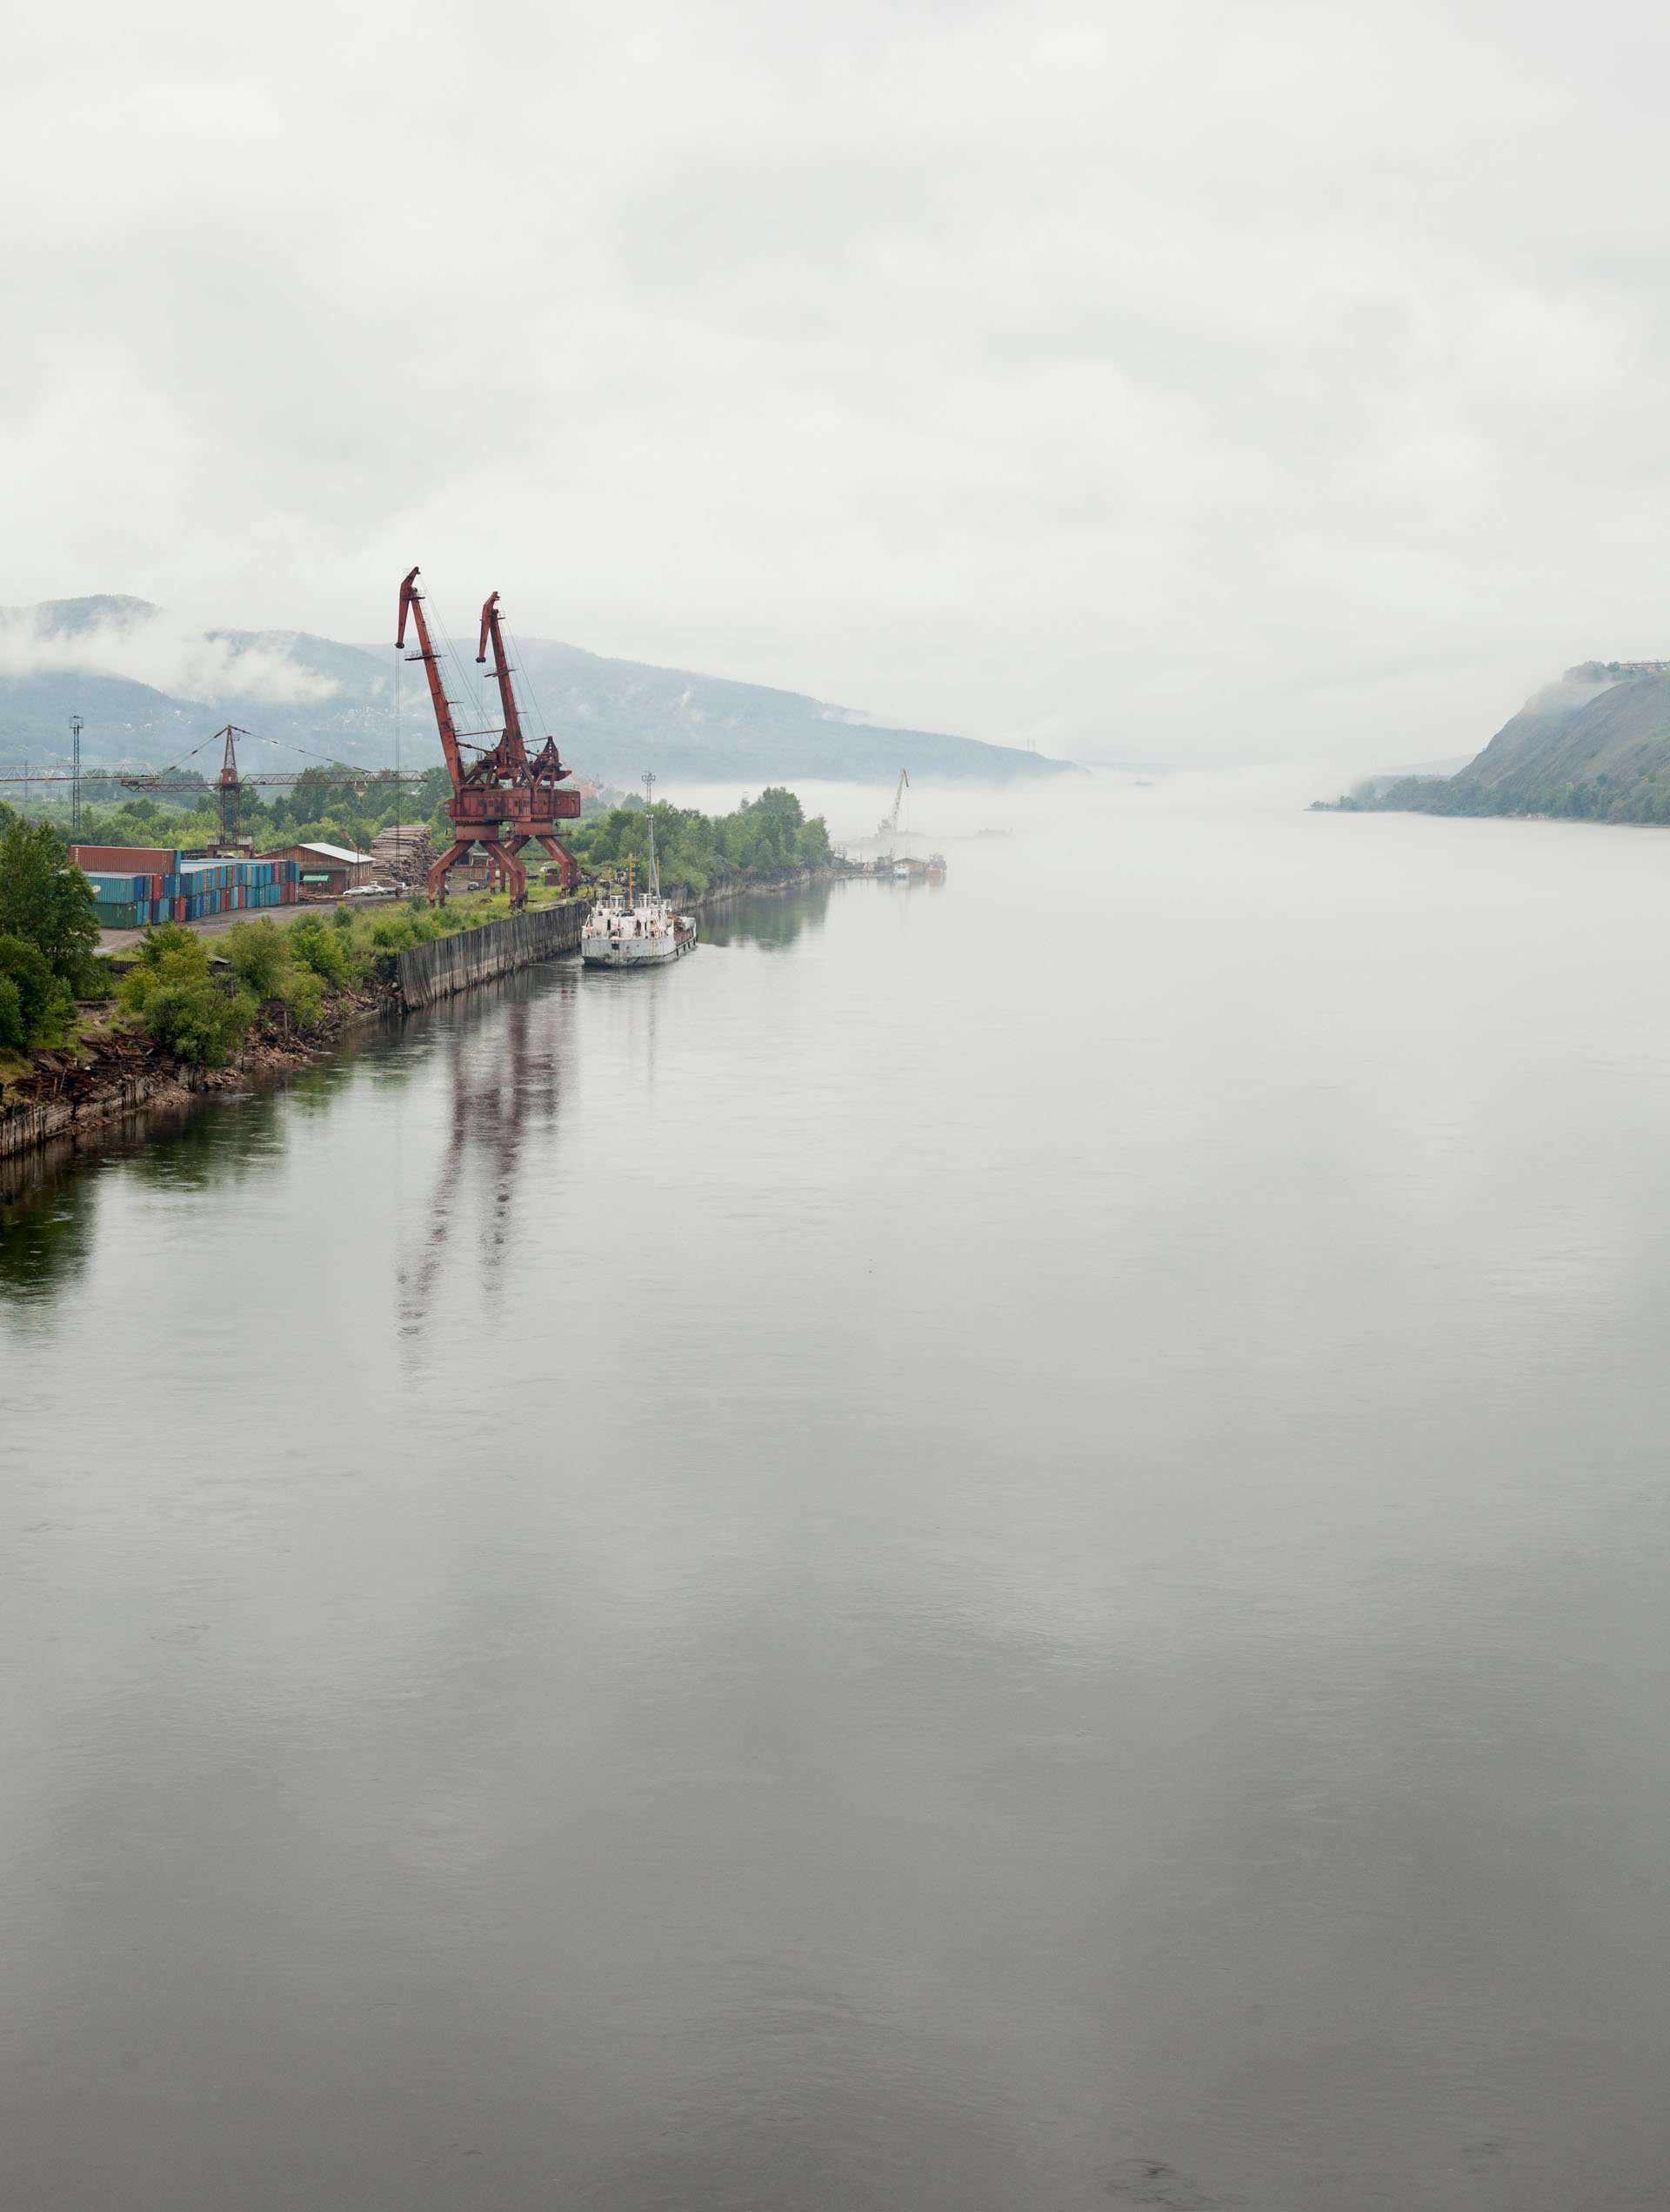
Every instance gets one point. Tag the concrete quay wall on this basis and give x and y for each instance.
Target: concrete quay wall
(431, 972)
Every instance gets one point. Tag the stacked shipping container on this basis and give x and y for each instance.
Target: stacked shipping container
(134, 885)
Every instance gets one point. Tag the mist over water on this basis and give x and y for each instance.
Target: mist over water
(994, 1546)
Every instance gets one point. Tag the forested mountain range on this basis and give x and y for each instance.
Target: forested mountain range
(147, 692)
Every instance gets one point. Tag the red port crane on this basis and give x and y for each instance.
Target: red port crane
(539, 776)
(503, 789)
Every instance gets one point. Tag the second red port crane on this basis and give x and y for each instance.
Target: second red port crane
(503, 798)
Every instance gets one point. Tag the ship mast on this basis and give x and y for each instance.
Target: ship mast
(648, 781)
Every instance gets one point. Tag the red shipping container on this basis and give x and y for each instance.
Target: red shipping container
(124, 859)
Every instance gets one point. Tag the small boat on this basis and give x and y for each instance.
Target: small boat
(901, 871)
(936, 868)
(636, 931)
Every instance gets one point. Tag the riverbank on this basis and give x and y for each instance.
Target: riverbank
(790, 880)
(110, 1072)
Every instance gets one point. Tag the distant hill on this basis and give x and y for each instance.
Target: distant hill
(1595, 746)
(148, 692)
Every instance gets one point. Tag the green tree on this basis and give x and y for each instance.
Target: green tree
(180, 1004)
(259, 952)
(32, 1000)
(199, 1021)
(44, 899)
(328, 953)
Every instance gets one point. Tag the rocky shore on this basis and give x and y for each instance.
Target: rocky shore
(115, 1072)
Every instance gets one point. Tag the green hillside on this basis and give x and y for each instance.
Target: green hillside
(1595, 747)
(148, 694)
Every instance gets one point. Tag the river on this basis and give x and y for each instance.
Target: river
(998, 1546)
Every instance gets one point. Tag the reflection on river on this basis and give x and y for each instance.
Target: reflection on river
(46, 1224)
(767, 917)
(496, 1099)
(872, 1571)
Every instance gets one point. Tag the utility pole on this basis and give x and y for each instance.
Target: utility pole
(75, 774)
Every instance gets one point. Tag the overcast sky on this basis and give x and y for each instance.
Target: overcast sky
(1218, 383)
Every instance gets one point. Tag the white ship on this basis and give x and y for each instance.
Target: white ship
(636, 931)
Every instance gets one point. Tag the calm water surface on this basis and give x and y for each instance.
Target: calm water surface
(973, 1552)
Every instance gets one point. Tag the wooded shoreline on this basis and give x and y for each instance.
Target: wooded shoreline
(127, 1074)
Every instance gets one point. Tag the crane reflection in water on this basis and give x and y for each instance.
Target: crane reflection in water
(503, 1087)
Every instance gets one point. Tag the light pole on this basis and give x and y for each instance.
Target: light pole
(75, 774)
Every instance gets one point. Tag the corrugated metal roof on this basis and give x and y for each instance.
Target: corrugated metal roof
(335, 853)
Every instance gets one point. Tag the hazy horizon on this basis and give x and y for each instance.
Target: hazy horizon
(212, 663)
(1190, 383)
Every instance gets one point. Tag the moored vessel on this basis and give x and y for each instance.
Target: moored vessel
(622, 933)
(636, 931)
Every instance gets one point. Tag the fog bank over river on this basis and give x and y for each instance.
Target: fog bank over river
(993, 1546)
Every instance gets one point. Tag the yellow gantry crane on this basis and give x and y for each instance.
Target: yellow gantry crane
(888, 825)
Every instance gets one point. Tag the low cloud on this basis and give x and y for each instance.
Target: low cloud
(1183, 380)
(146, 645)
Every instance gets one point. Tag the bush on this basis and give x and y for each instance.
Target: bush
(400, 933)
(304, 994)
(259, 952)
(179, 1004)
(168, 954)
(268, 964)
(37, 1002)
(199, 1021)
(325, 951)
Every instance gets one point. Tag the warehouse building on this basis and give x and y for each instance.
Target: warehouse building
(326, 871)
